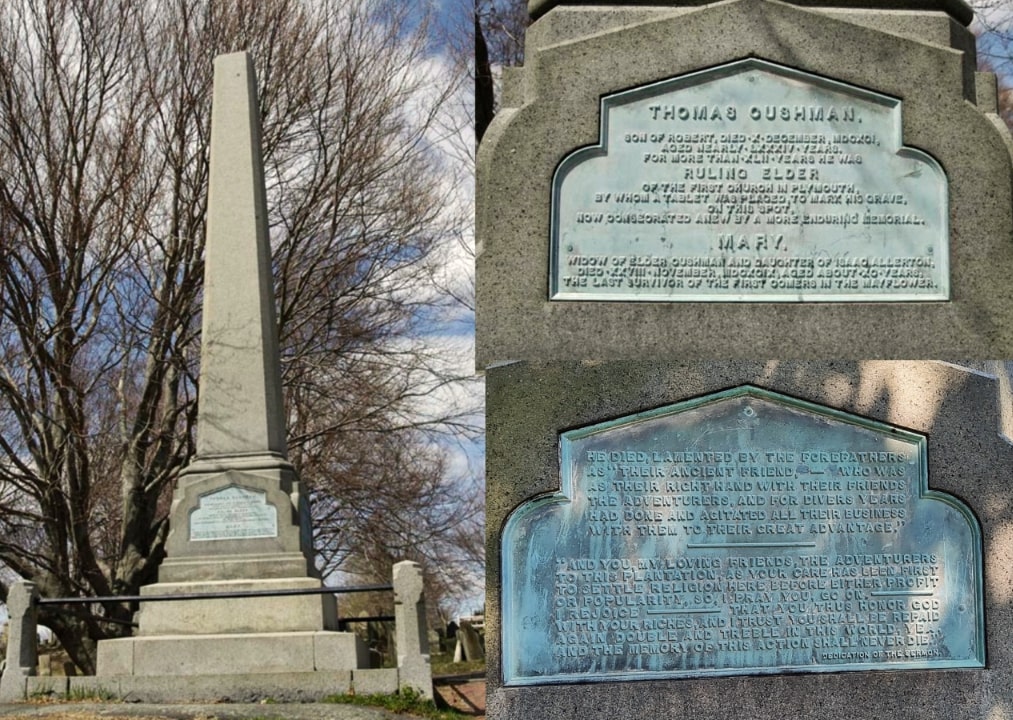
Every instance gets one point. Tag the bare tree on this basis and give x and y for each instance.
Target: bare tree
(993, 26)
(104, 120)
(500, 26)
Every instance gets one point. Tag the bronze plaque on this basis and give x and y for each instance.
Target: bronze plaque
(740, 533)
(750, 182)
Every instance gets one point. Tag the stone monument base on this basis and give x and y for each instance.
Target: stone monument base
(252, 614)
(286, 666)
(243, 654)
(237, 688)
(202, 568)
(248, 635)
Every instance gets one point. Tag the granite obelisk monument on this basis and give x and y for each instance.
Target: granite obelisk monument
(238, 520)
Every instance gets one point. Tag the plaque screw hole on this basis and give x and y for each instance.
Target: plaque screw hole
(749, 412)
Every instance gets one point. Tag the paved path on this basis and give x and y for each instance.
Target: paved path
(138, 711)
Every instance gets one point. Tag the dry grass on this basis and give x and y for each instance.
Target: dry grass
(83, 715)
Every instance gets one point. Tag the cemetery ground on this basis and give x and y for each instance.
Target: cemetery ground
(91, 711)
(463, 695)
(459, 687)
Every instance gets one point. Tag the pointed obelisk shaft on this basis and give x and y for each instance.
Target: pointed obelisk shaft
(240, 412)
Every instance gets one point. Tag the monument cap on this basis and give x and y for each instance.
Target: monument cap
(957, 9)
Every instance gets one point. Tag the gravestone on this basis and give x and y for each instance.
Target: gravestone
(720, 177)
(239, 520)
(747, 539)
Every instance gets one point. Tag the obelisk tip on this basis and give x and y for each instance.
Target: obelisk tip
(236, 62)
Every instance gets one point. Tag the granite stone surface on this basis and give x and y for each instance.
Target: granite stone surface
(955, 408)
(577, 54)
(959, 9)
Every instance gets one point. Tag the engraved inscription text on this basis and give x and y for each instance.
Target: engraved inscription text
(750, 182)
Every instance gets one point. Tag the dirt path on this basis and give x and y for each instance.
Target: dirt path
(138, 711)
(466, 695)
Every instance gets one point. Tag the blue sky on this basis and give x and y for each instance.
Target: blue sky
(453, 331)
(448, 16)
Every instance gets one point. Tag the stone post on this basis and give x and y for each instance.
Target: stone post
(22, 638)
(413, 667)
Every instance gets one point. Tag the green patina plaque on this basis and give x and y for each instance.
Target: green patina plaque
(740, 533)
(233, 513)
(750, 182)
